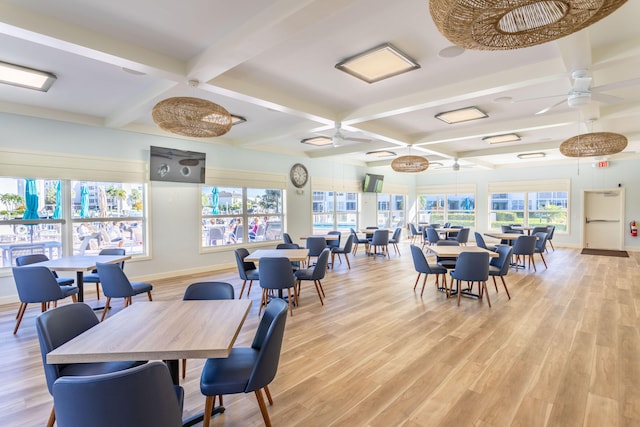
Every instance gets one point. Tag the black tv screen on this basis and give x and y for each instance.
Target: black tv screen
(372, 183)
(170, 164)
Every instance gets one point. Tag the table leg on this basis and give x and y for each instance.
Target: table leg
(80, 283)
(174, 370)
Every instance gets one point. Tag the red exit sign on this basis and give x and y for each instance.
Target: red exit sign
(603, 164)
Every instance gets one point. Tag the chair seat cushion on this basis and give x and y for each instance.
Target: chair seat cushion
(64, 281)
(253, 274)
(91, 278)
(494, 271)
(438, 269)
(141, 287)
(96, 368)
(69, 290)
(230, 375)
(304, 273)
(338, 251)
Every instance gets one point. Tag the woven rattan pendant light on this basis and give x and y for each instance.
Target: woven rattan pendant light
(192, 117)
(593, 144)
(410, 164)
(514, 24)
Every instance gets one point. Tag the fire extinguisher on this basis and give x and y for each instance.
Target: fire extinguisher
(634, 228)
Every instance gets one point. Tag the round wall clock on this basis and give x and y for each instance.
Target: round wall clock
(299, 175)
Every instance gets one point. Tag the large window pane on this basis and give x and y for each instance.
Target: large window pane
(457, 209)
(108, 215)
(533, 209)
(334, 211)
(391, 211)
(234, 215)
(39, 200)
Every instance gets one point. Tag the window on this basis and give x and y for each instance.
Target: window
(458, 209)
(108, 215)
(30, 218)
(530, 208)
(334, 210)
(391, 210)
(532, 203)
(234, 215)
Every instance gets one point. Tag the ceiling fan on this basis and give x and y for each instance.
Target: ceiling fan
(582, 93)
(339, 139)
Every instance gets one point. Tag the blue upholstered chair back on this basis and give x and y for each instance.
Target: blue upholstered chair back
(432, 235)
(243, 266)
(276, 273)
(541, 242)
(503, 260)
(480, 240)
(419, 260)
(396, 234)
(463, 235)
(472, 266)
(209, 291)
(287, 238)
(31, 259)
(348, 244)
(114, 251)
(268, 341)
(334, 243)
(56, 327)
(320, 269)
(115, 283)
(143, 396)
(524, 245)
(380, 238)
(316, 244)
(36, 284)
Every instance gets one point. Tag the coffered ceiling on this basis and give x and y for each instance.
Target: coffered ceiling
(273, 62)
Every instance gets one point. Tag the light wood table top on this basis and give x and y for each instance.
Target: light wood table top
(504, 236)
(455, 251)
(159, 330)
(292, 254)
(526, 228)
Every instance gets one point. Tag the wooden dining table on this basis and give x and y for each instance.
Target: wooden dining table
(160, 330)
(292, 254)
(455, 251)
(80, 264)
(326, 236)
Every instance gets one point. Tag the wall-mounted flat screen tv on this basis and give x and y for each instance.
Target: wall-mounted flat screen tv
(170, 164)
(372, 183)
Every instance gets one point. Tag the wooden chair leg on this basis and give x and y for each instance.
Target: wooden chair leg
(495, 283)
(290, 301)
(315, 282)
(415, 285)
(74, 298)
(484, 286)
(208, 407)
(52, 417)
(346, 256)
(263, 408)
(424, 282)
(149, 296)
(244, 282)
(263, 300)
(21, 310)
(105, 309)
(98, 290)
(505, 286)
(184, 368)
(543, 261)
(268, 393)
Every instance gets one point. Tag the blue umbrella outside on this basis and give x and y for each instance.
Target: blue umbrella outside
(215, 200)
(57, 212)
(31, 200)
(84, 201)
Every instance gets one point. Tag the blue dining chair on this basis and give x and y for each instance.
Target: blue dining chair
(276, 275)
(345, 250)
(551, 229)
(500, 266)
(206, 291)
(142, 396)
(481, 243)
(472, 267)
(38, 284)
(357, 241)
(541, 245)
(248, 369)
(525, 246)
(247, 270)
(395, 239)
(94, 277)
(115, 284)
(34, 258)
(315, 245)
(380, 240)
(423, 267)
(315, 274)
(334, 243)
(447, 262)
(56, 327)
(414, 233)
(432, 236)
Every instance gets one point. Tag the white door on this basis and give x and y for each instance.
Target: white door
(603, 219)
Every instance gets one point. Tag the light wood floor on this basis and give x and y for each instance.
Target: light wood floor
(565, 351)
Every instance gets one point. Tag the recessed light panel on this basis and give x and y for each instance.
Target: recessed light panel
(498, 139)
(318, 141)
(379, 63)
(462, 115)
(17, 75)
(382, 153)
(531, 155)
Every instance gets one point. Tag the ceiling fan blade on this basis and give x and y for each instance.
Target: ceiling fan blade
(357, 139)
(539, 97)
(553, 106)
(616, 85)
(608, 99)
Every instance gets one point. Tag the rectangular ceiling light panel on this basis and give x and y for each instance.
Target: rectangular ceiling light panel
(318, 141)
(379, 63)
(17, 75)
(499, 139)
(462, 115)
